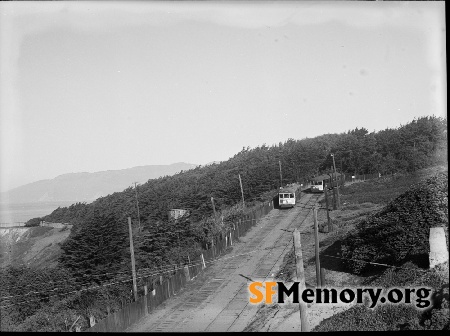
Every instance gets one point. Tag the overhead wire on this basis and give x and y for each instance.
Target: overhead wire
(145, 275)
(162, 270)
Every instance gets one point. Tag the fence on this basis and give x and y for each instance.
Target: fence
(42, 223)
(363, 177)
(55, 225)
(12, 225)
(159, 288)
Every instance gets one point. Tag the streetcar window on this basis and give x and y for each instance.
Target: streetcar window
(281, 195)
(291, 196)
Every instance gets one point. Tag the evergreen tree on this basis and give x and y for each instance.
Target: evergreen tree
(99, 246)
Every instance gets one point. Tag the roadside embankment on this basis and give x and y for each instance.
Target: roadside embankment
(33, 246)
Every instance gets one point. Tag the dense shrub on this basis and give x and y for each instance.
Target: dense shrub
(399, 316)
(400, 231)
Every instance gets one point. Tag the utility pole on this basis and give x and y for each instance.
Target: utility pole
(133, 266)
(300, 278)
(137, 205)
(325, 189)
(179, 246)
(214, 208)
(316, 239)
(242, 190)
(337, 184)
(281, 176)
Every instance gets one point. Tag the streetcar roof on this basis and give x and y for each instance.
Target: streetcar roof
(285, 191)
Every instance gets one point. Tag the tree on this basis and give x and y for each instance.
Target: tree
(98, 247)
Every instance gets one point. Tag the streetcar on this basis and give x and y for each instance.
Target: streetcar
(286, 198)
(318, 182)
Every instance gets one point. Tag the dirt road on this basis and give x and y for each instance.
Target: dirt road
(218, 299)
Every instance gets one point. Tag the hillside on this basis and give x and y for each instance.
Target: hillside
(97, 248)
(362, 203)
(85, 187)
(36, 246)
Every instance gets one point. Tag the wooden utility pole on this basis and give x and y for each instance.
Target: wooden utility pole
(133, 266)
(281, 175)
(137, 205)
(316, 239)
(337, 184)
(300, 278)
(322, 277)
(214, 208)
(328, 210)
(242, 190)
(334, 199)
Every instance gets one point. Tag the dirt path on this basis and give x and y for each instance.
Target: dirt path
(218, 300)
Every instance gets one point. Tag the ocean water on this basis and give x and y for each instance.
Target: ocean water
(21, 212)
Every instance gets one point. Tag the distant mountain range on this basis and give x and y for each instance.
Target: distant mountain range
(86, 187)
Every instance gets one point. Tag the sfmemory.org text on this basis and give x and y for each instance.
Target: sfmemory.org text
(264, 292)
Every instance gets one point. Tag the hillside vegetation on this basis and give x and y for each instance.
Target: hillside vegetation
(398, 235)
(400, 231)
(97, 250)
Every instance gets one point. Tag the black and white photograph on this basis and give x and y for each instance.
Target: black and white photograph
(223, 166)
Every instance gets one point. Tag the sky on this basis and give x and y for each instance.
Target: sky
(93, 86)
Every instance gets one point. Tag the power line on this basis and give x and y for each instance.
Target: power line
(83, 277)
(374, 263)
(146, 275)
(65, 280)
(164, 269)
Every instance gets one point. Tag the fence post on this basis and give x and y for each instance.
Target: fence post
(438, 247)
(146, 299)
(203, 261)
(91, 321)
(186, 273)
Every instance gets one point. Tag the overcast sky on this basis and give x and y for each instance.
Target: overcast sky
(91, 86)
